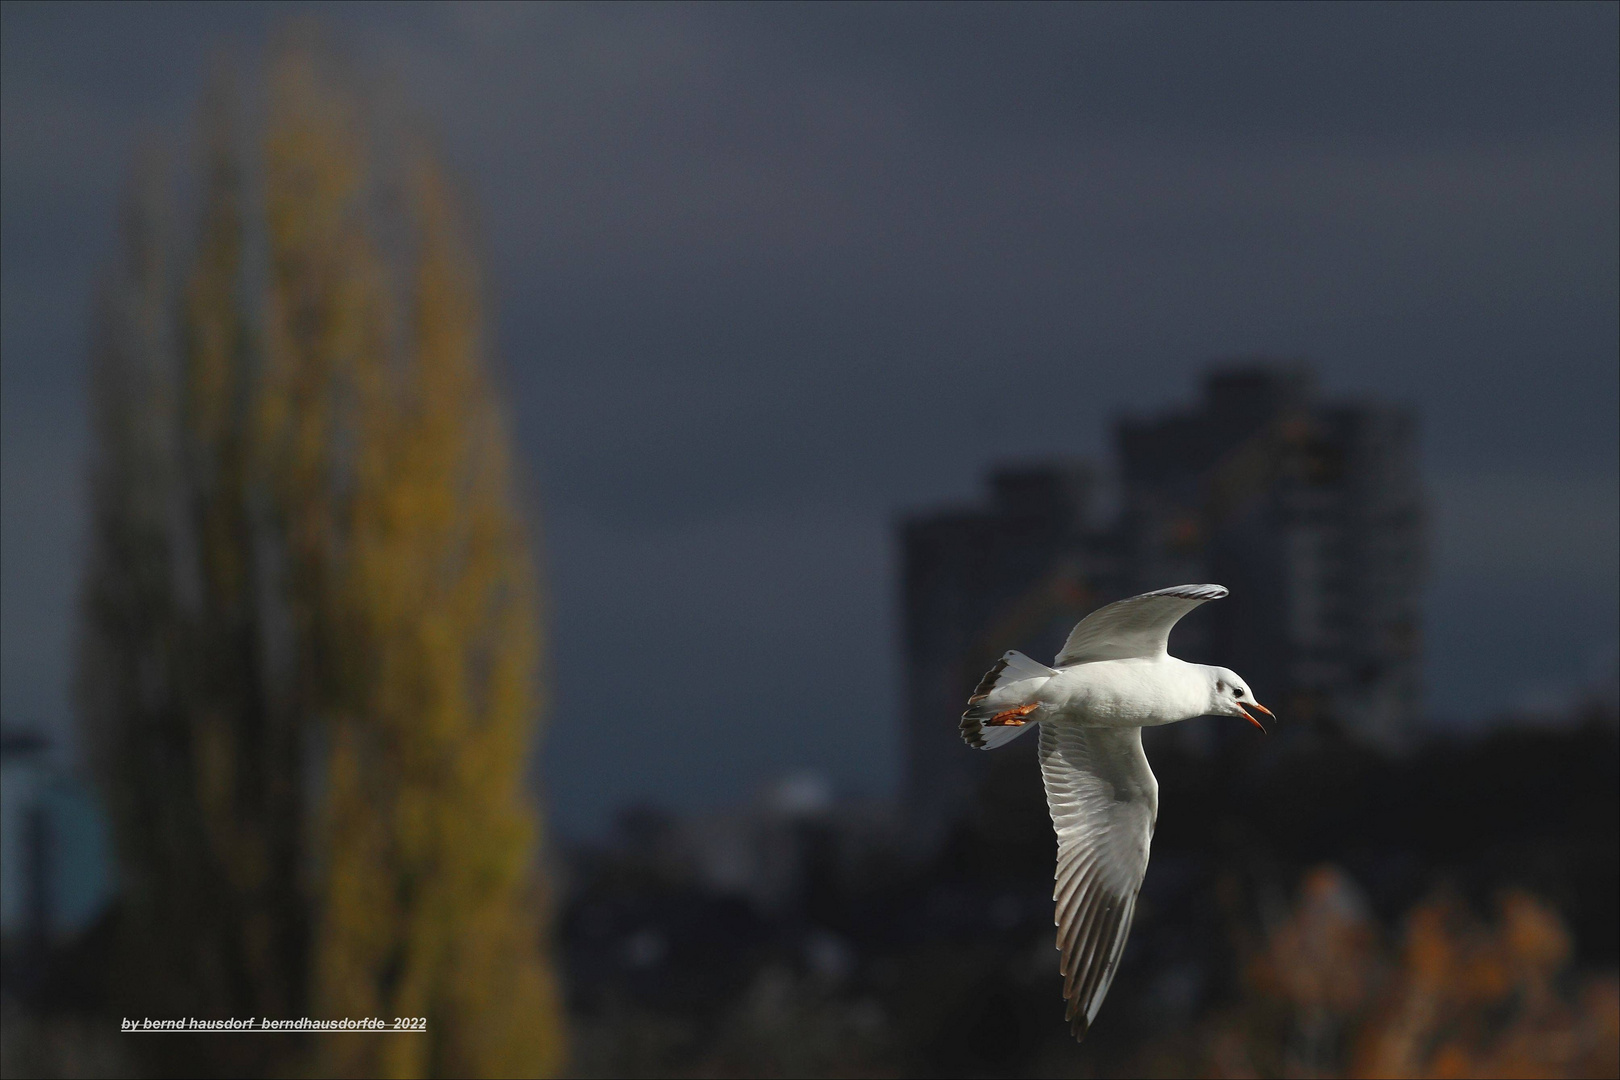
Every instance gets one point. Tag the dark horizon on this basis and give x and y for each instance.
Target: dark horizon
(764, 280)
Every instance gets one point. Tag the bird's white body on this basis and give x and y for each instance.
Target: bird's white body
(1136, 692)
(1112, 678)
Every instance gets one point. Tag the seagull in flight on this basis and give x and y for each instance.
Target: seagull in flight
(1113, 678)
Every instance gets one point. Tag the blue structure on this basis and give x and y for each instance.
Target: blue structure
(55, 851)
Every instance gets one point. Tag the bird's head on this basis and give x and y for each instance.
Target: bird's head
(1229, 695)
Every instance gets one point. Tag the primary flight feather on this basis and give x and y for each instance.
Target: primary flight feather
(1112, 678)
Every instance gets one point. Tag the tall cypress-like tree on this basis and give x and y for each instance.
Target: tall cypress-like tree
(340, 590)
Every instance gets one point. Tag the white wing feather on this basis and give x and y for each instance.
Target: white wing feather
(1139, 626)
(1104, 801)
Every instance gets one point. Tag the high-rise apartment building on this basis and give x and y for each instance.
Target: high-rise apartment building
(976, 582)
(1311, 512)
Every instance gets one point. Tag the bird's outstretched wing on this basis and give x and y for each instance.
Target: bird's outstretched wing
(1139, 626)
(1104, 801)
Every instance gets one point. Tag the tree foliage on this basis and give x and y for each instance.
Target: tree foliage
(309, 666)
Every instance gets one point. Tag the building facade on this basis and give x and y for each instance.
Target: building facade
(1014, 573)
(1311, 512)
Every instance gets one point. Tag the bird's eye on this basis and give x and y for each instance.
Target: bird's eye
(1238, 692)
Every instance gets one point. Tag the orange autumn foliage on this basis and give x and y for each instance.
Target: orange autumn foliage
(1456, 996)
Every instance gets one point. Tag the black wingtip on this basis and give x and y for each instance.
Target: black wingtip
(988, 683)
(972, 728)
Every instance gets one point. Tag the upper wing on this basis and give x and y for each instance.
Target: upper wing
(1139, 626)
(1104, 801)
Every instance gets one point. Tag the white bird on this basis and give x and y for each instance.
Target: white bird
(1113, 678)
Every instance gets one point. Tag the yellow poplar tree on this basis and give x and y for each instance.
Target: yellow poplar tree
(205, 806)
(247, 772)
(417, 609)
(130, 642)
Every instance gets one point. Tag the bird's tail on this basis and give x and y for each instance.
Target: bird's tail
(997, 712)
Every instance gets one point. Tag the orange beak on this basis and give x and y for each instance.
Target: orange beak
(1250, 716)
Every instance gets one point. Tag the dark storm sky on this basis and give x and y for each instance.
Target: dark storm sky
(767, 276)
